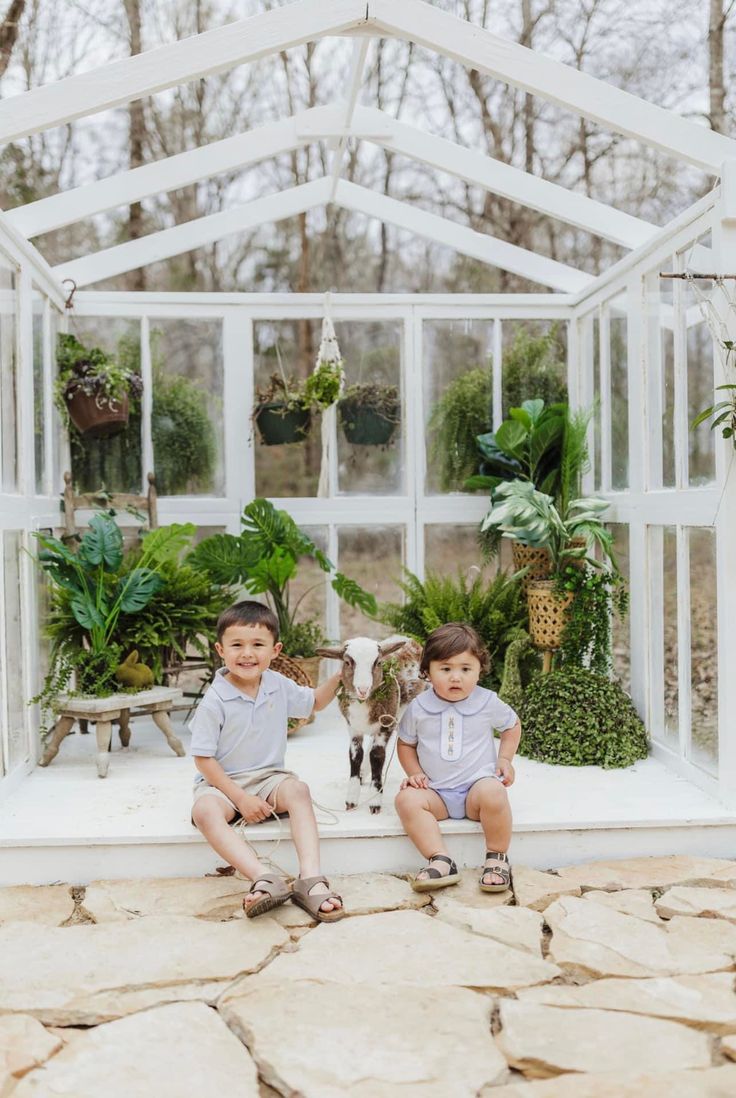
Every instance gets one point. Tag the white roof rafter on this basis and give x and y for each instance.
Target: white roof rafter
(205, 230)
(360, 53)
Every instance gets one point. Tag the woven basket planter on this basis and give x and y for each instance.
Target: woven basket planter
(295, 670)
(538, 561)
(548, 614)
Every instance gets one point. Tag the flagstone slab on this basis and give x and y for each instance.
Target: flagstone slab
(519, 927)
(712, 903)
(706, 1001)
(24, 1044)
(544, 1040)
(403, 948)
(86, 974)
(183, 1050)
(690, 930)
(322, 1040)
(712, 1082)
(728, 1048)
(217, 898)
(50, 905)
(467, 893)
(631, 901)
(369, 893)
(589, 939)
(646, 872)
(537, 890)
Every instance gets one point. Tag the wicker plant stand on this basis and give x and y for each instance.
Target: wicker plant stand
(536, 560)
(548, 613)
(295, 670)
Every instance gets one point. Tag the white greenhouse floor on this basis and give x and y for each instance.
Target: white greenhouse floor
(63, 823)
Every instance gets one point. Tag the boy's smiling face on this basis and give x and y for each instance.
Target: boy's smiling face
(247, 651)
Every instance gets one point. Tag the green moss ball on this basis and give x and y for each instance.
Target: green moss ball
(574, 717)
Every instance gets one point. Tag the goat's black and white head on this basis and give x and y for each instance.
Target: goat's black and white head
(362, 662)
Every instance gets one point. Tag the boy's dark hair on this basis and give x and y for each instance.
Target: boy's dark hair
(248, 612)
(450, 640)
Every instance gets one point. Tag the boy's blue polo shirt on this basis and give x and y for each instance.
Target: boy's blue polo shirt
(245, 733)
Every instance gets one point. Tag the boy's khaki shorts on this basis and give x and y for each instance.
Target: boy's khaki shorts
(258, 783)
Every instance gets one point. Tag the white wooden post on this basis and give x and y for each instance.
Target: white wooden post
(237, 399)
(725, 248)
(640, 576)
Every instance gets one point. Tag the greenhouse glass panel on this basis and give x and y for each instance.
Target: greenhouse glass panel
(369, 415)
(700, 383)
(671, 644)
(458, 398)
(13, 625)
(596, 410)
(8, 379)
(619, 396)
(308, 588)
(39, 437)
(703, 649)
(288, 447)
(620, 640)
(114, 462)
(373, 556)
(534, 362)
(187, 412)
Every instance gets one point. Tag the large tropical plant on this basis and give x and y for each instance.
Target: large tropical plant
(94, 590)
(520, 512)
(264, 559)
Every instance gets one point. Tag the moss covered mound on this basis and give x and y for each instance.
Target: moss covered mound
(574, 717)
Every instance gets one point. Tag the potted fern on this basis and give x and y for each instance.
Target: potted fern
(369, 414)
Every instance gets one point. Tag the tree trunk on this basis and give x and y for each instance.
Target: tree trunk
(527, 30)
(9, 32)
(137, 135)
(716, 86)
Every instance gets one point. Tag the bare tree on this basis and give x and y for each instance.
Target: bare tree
(9, 29)
(137, 137)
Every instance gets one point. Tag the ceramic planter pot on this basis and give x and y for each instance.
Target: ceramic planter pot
(280, 425)
(97, 416)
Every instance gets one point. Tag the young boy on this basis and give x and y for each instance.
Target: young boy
(239, 743)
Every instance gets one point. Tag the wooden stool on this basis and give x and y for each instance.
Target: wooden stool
(157, 702)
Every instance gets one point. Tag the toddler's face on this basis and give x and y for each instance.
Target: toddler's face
(247, 651)
(455, 678)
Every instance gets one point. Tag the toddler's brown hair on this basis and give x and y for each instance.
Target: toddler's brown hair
(450, 640)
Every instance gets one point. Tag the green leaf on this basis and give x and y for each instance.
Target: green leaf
(224, 557)
(521, 416)
(271, 573)
(137, 588)
(86, 613)
(510, 438)
(353, 594)
(166, 543)
(102, 544)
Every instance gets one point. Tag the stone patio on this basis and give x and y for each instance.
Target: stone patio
(605, 980)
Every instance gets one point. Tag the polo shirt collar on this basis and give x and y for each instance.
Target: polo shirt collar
(227, 691)
(432, 703)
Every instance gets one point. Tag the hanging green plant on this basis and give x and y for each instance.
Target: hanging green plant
(597, 595)
(92, 391)
(461, 414)
(282, 411)
(369, 414)
(322, 387)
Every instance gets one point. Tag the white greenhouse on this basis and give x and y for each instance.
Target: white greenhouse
(639, 350)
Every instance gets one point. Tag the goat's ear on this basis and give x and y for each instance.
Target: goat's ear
(331, 653)
(387, 649)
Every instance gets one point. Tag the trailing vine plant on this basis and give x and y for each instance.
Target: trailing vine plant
(597, 594)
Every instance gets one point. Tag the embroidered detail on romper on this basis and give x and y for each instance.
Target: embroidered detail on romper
(451, 734)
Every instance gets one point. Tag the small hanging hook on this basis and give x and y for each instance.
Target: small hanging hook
(68, 303)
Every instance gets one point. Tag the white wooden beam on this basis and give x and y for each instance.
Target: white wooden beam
(194, 234)
(360, 53)
(192, 58)
(488, 249)
(610, 107)
(169, 174)
(503, 179)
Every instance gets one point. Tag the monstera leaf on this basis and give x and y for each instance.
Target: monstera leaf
(227, 559)
(167, 542)
(137, 589)
(102, 545)
(353, 594)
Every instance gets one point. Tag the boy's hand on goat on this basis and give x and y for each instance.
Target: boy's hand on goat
(416, 781)
(253, 809)
(505, 771)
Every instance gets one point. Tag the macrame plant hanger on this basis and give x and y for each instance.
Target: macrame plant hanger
(328, 354)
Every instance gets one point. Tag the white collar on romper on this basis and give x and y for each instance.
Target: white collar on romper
(474, 702)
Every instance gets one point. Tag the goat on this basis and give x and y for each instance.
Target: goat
(372, 701)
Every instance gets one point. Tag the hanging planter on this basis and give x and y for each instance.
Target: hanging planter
(98, 416)
(534, 558)
(282, 414)
(92, 390)
(369, 414)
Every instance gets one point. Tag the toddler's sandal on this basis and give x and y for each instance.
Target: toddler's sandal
(434, 879)
(310, 902)
(277, 893)
(502, 870)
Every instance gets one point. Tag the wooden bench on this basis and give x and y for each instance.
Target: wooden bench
(158, 702)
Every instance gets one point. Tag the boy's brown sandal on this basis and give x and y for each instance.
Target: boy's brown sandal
(434, 878)
(503, 870)
(277, 893)
(300, 895)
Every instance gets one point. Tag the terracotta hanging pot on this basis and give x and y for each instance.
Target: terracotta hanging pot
(97, 416)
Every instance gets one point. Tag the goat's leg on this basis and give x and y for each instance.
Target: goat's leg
(356, 760)
(378, 758)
